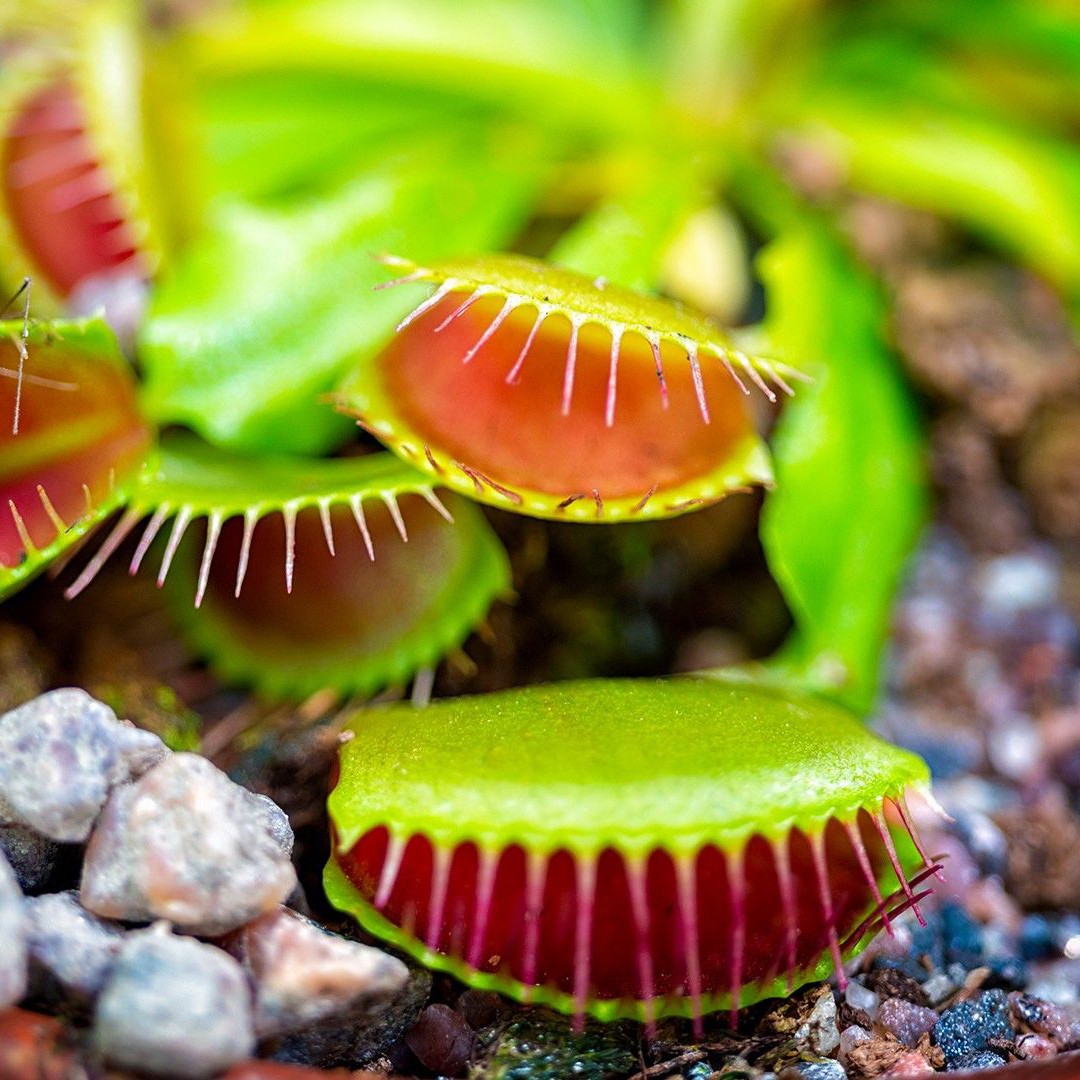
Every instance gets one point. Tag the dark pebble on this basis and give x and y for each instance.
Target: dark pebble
(967, 1028)
(479, 1007)
(1006, 972)
(888, 982)
(1036, 939)
(963, 937)
(442, 1041)
(32, 856)
(978, 1059)
(908, 965)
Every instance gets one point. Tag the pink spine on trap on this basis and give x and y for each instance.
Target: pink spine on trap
(828, 911)
(736, 887)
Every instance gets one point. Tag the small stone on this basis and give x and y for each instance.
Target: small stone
(824, 1036)
(479, 1008)
(31, 855)
(939, 986)
(174, 1007)
(186, 844)
(1059, 1023)
(442, 1041)
(343, 1041)
(979, 1059)
(984, 840)
(862, 997)
(1029, 1047)
(891, 982)
(962, 936)
(819, 1070)
(61, 754)
(71, 951)
(911, 1064)
(275, 821)
(850, 1037)
(907, 1021)
(967, 1027)
(12, 938)
(1058, 982)
(700, 1070)
(1006, 972)
(1011, 584)
(36, 1047)
(303, 974)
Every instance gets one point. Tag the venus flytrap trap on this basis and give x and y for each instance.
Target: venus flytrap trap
(510, 357)
(346, 573)
(80, 443)
(83, 133)
(625, 848)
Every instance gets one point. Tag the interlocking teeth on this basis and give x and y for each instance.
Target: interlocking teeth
(758, 370)
(184, 516)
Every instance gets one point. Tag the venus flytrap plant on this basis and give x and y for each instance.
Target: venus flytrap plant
(620, 848)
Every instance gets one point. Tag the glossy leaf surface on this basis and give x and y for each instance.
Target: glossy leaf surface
(851, 490)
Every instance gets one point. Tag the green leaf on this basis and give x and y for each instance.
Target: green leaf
(264, 314)
(277, 134)
(851, 489)
(565, 64)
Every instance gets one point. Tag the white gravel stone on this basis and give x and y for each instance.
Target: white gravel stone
(276, 821)
(186, 844)
(174, 1007)
(12, 938)
(60, 755)
(71, 951)
(303, 974)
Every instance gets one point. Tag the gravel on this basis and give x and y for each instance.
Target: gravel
(71, 951)
(185, 843)
(967, 1028)
(303, 974)
(60, 756)
(174, 1007)
(442, 1041)
(32, 856)
(907, 1022)
(12, 938)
